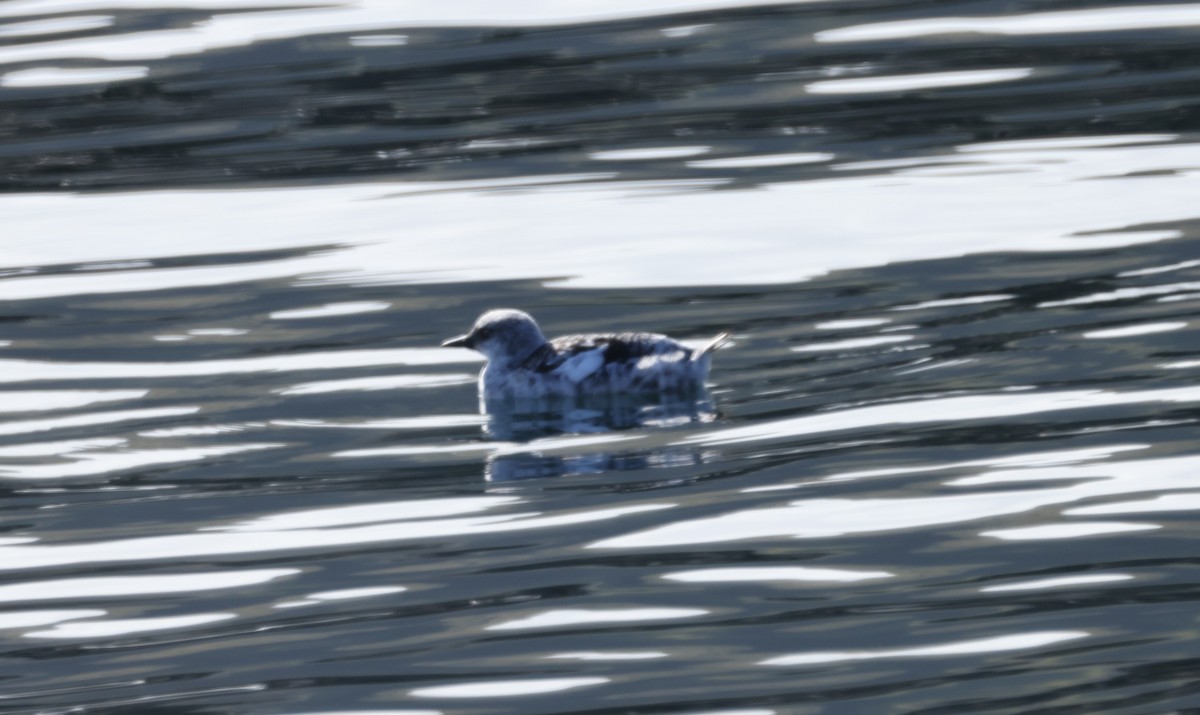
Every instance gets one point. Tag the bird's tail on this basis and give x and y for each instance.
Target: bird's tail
(712, 345)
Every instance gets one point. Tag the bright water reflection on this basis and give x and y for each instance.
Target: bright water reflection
(812, 518)
(987, 645)
(506, 688)
(929, 214)
(136, 585)
(230, 542)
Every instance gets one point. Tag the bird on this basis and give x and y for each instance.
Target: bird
(523, 364)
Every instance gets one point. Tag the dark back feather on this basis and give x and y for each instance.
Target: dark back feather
(621, 347)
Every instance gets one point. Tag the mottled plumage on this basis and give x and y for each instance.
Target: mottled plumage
(522, 363)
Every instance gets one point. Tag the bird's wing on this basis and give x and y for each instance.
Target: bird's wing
(578, 356)
(578, 366)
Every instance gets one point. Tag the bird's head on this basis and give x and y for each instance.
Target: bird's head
(503, 336)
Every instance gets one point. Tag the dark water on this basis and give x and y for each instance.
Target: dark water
(948, 464)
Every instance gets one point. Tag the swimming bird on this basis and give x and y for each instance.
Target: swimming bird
(522, 363)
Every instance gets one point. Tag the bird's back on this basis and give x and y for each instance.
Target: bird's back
(615, 362)
(619, 347)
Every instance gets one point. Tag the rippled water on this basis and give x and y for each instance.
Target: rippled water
(948, 464)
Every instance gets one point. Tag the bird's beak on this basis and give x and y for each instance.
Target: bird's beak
(461, 341)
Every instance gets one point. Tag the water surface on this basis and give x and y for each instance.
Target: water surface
(947, 464)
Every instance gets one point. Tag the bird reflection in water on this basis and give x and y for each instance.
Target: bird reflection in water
(527, 420)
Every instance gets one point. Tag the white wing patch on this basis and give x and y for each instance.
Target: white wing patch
(649, 362)
(577, 367)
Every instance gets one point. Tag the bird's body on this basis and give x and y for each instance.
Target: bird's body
(522, 363)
